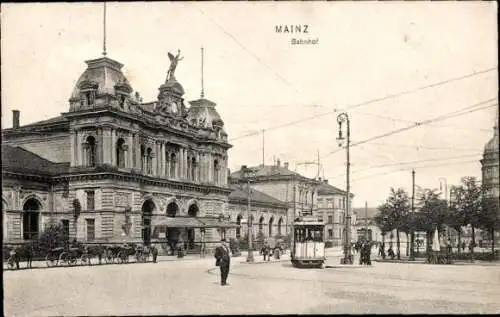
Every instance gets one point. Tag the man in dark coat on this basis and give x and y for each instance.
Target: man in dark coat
(223, 260)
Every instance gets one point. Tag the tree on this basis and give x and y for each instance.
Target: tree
(490, 217)
(52, 237)
(457, 217)
(435, 212)
(395, 211)
(467, 201)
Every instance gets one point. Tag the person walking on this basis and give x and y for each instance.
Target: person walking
(223, 261)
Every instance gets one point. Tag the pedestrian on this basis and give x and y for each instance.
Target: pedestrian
(223, 261)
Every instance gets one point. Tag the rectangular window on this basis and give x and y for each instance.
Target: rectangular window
(90, 200)
(330, 233)
(65, 227)
(330, 219)
(90, 229)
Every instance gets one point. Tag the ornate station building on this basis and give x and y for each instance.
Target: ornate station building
(114, 166)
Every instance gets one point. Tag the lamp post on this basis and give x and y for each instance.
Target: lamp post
(250, 258)
(441, 181)
(341, 118)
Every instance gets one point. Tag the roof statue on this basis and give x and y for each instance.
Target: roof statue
(173, 64)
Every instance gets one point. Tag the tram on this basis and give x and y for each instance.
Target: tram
(308, 245)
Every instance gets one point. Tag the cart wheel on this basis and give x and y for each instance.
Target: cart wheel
(84, 259)
(11, 263)
(50, 261)
(72, 259)
(63, 258)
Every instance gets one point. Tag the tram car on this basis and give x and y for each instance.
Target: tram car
(308, 245)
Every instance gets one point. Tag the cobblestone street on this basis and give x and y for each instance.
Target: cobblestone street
(192, 287)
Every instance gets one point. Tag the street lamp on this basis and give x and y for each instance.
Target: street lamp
(250, 258)
(341, 118)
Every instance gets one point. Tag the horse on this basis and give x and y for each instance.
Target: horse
(24, 252)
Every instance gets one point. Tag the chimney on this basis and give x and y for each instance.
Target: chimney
(286, 165)
(278, 163)
(15, 119)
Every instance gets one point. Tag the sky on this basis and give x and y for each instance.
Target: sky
(388, 65)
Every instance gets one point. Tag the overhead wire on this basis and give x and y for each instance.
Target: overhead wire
(375, 100)
(463, 111)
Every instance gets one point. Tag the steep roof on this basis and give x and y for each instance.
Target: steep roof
(40, 124)
(325, 189)
(371, 212)
(17, 159)
(240, 194)
(267, 170)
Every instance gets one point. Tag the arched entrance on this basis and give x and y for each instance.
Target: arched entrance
(280, 222)
(147, 213)
(173, 234)
(238, 223)
(192, 212)
(31, 215)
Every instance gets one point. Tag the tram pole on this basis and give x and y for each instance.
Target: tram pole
(341, 118)
(250, 258)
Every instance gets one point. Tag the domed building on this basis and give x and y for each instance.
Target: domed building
(135, 170)
(490, 174)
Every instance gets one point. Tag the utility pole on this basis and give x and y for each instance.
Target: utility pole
(250, 258)
(412, 248)
(366, 220)
(263, 147)
(343, 117)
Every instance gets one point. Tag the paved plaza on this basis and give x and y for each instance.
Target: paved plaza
(191, 286)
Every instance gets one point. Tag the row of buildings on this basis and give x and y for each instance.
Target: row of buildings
(114, 168)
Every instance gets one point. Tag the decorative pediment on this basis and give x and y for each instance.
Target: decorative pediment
(88, 85)
(123, 87)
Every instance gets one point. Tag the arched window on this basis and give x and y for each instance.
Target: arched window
(173, 164)
(193, 169)
(188, 168)
(216, 171)
(271, 226)
(90, 151)
(238, 229)
(120, 152)
(149, 160)
(261, 223)
(31, 213)
(280, 221)
(143, 158)
(122, 101)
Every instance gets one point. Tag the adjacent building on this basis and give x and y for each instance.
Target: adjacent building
(299, 193)
(490, 171)
(331, 209)
(268, 214)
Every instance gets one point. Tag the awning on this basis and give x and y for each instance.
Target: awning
(216, 223)
(180, 222)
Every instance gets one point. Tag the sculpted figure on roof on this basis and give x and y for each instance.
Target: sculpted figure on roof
(173, 64)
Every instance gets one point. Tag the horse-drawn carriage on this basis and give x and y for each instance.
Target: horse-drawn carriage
(14, 254)
(69, 255)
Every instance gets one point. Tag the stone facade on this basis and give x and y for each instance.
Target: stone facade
(269, 215)
(299, 193)
(331, 209)
(125, 161)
